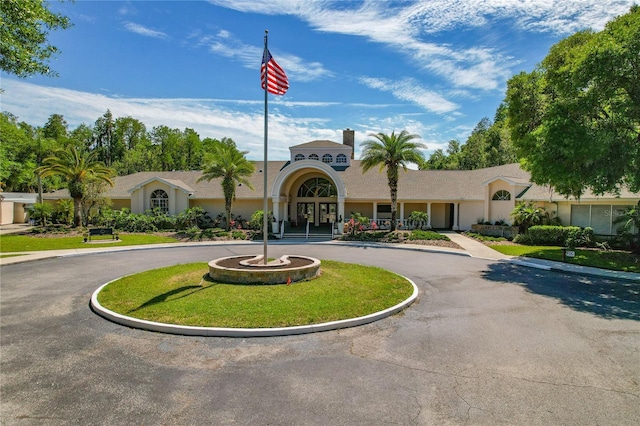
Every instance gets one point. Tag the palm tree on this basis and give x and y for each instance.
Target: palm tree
(230, 164)
(78, 169)
(630, 226)
(392, 151)
(526, 215)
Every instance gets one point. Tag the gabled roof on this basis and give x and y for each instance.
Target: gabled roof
(515, 181)
(413, 185)
(173, 183)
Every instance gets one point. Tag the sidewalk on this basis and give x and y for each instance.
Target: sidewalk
(477, 249)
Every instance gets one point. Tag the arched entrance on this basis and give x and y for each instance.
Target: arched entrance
(315, 202)
(308, 190)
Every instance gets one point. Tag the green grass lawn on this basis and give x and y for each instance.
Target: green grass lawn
(16, 243)
(184, 294)
(614, 260)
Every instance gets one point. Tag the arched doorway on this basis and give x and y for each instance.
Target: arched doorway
(315, 202)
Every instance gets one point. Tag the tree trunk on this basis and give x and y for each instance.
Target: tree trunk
(392, 177)
(77, 212)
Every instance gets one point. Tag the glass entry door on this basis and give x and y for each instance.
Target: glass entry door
(328, 212)
(306, 211)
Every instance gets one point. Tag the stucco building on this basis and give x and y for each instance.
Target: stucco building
(323, 183)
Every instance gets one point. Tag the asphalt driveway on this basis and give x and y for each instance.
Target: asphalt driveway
(486, 343)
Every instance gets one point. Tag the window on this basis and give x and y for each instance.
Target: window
(600, 217)
(501, 195)
(314, 157)
(327, 158)
(341, 158)
(317, 187)
(160, 200)
(298, 157)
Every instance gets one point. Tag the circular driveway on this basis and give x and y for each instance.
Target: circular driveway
(485, 343)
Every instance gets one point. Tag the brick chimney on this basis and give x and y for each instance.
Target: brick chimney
(348, 138)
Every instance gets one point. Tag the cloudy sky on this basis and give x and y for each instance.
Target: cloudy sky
(433, 67)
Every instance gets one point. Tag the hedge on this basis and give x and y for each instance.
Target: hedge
(545, 235)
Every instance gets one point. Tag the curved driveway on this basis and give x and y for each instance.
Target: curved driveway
(486, 343)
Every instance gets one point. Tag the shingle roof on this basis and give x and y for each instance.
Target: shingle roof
(372, 185)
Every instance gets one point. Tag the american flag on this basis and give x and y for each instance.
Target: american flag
(278, 81)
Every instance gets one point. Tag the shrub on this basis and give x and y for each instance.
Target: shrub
(41, 213)
(418, 234)
(238, 235)
(63, 212)
(545, 235)
(192, 217)
(256, 221)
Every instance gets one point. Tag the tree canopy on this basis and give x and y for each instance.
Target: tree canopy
(24, 28)
(392, 152)
(575, 119)
(228, 163)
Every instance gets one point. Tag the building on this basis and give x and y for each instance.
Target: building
(322, 183)
(14, 207)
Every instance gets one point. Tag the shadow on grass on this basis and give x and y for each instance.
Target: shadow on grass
(615, 261)
(606, 298)
(188, 290)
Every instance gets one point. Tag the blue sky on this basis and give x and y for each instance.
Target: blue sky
(433, 67)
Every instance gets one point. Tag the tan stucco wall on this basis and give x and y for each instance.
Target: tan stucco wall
(365, 209)
(244, 208)
(439, 215)
(120, 204)
(410, 207)
(141, 202)
(470, 211)
(6, 212)
(500, 210)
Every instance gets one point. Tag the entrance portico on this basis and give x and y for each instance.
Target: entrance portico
(308, 190)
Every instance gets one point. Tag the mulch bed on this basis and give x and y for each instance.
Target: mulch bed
(235, 263)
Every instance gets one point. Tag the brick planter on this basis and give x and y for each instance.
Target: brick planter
(248, 270)
(495, 230)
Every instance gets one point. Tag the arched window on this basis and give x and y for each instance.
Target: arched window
(298, 157)
(314, 157)
(317, 187)
(160, 200)
(327, 158)
(501, 195)
(341, 158)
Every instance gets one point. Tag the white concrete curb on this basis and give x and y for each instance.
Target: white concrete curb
(245, 332)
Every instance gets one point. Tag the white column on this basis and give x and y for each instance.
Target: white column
(487, 202)
(455, 226)
(402, 212)
(276, 209)
(375, 211)
(429, 214)
(341, 208)
(285, 213)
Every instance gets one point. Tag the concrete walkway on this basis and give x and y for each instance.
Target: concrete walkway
(475, 248)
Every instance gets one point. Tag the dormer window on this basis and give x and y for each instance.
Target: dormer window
(341, 159)
(327, 158)
(298, 157)
(314, 157)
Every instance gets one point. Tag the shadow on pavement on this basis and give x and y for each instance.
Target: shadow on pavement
(606, 298)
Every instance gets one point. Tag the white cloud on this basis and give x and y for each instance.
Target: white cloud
(296, 68)
(407, 26)
(241, 120)
(147, 32)
(409, 89)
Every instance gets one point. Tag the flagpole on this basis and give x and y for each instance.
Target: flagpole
(265, 216)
